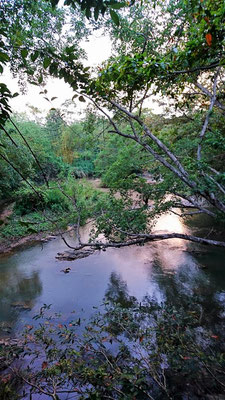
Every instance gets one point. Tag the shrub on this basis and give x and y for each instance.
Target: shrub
(56, 200)
(28, 200)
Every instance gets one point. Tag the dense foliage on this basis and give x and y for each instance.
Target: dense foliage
(175, 50)
(148, 164)
(40, 183)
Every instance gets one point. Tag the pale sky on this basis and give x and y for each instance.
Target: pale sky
(98, 49)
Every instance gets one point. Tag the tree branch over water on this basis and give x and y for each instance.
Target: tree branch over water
(141, 239)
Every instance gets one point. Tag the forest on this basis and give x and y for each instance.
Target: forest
(149, 144)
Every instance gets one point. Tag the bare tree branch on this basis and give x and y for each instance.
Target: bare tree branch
(205, 125)
(156, 140)
(194, 203)
(200, 68)
(20, 174)
(179, 170)
(141, 239)
(207, 93)
(220, 187)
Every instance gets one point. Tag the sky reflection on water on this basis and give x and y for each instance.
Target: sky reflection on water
(168, 269)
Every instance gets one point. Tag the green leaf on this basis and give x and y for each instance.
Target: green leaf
(53, 98)
(32, 229)
(103, 10)
(54, 3)
(23, 223)
(53, 68)
(96, 13)
(3, 57)
(24, 53)
(46, 62)
(117, 6)
(114, 17)
(34, 55)
(88, 13)
(19, 42)
(40, 79)
(82, 99)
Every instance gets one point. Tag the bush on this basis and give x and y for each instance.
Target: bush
(83, 168)
(28, 200)
(56, 200)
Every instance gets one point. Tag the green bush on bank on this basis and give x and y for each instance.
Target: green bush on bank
(39, 199)
(51, 209)
(33, 223)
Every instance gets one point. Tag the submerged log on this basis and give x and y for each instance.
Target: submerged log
(74, 255)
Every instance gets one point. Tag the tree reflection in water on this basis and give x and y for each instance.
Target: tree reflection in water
(188, 286)
(18, 293)
(117, 292)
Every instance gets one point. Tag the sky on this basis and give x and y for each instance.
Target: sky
(98, 49)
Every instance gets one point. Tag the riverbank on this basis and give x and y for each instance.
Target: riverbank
(18, 229)
(9, 221)
(9, 245)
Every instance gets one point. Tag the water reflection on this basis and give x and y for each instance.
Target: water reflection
(187, 285)
(190, 284)
(168, 270)
(117, 291)
(19, 291)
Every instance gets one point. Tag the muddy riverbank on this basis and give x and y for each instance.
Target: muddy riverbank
(10, 245)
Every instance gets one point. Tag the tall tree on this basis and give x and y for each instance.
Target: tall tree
(178, 54)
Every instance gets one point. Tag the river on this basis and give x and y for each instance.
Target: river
(172, 269)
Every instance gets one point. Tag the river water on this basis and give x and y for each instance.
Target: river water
(172, 269)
